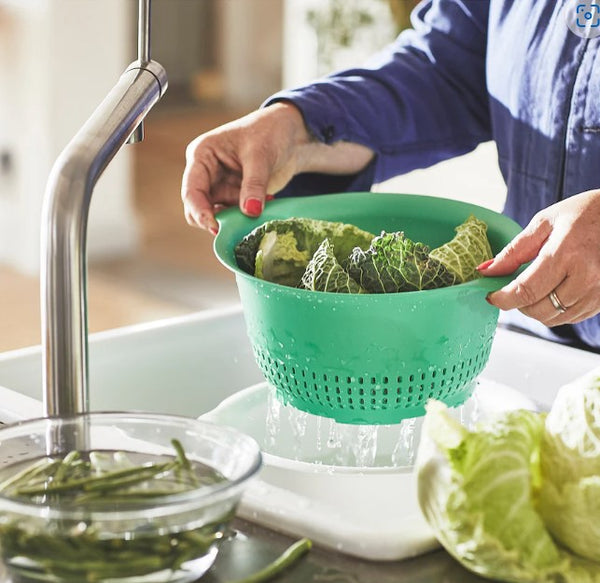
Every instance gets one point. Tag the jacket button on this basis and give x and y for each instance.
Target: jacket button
(328, 133)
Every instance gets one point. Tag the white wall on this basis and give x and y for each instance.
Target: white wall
(58, 59)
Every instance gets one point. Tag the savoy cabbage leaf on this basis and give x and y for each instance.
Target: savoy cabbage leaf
(324, 273)
(468, 248)
(394, 263)
(279, 259)
(280, 250)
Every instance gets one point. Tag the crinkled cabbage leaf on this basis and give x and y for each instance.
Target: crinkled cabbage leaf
(324, 273)
(394, 263)
(278, 258)
(468, 248)
(279, 250)
(570, 494)
(283, 251)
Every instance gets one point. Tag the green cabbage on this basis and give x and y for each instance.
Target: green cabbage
(279, 250)
(469, 248)
(570, 495)
(476, 490)
(394, 263)
(290, 252)
(517, 499)
(279, 259)
(324, 273)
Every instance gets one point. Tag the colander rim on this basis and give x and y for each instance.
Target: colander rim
(481, 285)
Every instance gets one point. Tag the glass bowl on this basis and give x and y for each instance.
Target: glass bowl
(98, 536)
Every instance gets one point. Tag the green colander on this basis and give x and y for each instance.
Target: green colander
(375, 358)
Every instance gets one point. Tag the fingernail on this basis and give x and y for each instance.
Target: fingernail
(487, 299)
(214, 230)
(484, 265)
(253, 206)
(269, 197)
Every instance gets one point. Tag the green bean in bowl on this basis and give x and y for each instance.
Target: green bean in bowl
(118, 497)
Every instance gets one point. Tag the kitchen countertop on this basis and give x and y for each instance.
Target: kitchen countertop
(253, 547)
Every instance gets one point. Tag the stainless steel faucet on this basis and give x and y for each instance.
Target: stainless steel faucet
(116, 121)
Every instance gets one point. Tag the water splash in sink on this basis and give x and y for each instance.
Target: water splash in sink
(297, 435)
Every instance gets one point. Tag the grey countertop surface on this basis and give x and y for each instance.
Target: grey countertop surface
(253, 547)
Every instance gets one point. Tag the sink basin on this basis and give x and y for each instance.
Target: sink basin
(182, 366)
(188, 365)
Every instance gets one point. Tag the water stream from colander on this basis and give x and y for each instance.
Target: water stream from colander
(297, 435)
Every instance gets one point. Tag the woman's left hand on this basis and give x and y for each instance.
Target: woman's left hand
(562, 283)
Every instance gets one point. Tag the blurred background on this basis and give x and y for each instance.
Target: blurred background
(59, 58)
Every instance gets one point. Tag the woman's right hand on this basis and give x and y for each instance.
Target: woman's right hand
(241, 162)
(245, 160)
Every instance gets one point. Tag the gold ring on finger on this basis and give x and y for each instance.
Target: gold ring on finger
(558, 305)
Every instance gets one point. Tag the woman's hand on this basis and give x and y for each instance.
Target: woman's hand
(241, 162)
(562, 283)
(244, 161)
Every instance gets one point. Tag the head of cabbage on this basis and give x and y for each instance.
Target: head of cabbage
(518, 498)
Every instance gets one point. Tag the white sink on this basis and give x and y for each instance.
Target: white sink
(183, 366)
(188, 365)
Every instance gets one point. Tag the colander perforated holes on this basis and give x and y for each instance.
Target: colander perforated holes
(331, 389)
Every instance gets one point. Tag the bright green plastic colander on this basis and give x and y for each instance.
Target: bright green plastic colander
(374, 358)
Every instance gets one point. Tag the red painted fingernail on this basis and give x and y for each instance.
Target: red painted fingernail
(487, 299)
(484, 265)
(214, 231)
(269, 197)
(253, 206)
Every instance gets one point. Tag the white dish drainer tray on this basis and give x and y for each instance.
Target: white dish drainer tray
(367, 512)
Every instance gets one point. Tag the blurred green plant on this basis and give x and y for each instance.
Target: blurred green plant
(338, 22)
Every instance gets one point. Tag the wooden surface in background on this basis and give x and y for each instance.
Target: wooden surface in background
(174, 271)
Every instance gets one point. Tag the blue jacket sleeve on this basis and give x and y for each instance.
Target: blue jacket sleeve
(420, 101)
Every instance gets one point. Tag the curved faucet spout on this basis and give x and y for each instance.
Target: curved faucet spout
(64, 229)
